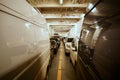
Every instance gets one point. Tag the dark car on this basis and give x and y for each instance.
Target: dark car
(54, 45)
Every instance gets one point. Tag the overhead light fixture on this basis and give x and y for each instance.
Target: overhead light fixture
(94, 10)
(90, 6)
(61, 1)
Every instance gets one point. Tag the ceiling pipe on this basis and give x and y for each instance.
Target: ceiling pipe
(93, 7)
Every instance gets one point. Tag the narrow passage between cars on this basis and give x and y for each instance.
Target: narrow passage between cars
(61, 68)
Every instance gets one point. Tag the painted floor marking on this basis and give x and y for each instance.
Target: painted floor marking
(59, 65)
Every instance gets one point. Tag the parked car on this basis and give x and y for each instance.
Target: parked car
(73, 53)
(68, 45)
(73, 57)
(64, 40)
(54, 45)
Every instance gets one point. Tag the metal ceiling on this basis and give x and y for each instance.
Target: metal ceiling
(69, 12)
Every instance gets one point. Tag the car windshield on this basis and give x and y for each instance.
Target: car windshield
(69, 39)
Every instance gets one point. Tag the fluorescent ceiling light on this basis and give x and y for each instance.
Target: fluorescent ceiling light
(61, 1)
(94, 10)
(90, 6)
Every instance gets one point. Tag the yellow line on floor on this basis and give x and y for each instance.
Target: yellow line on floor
(59, 75)
(59, 66)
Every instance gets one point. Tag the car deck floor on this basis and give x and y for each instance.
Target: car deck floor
(61, 68)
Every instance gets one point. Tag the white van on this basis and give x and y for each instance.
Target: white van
(24, 42)
(73, 52)
(68, 45)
